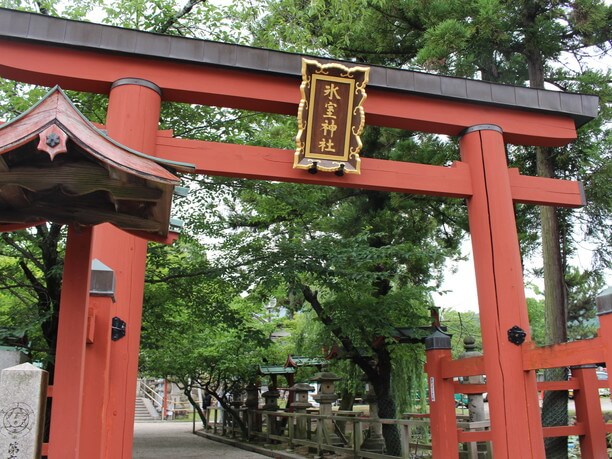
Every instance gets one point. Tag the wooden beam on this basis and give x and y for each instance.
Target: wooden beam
(583, 352)
(263, 163)
(557, 385)
(93, 71)
(11, 194)
(10, 227)
(232, 160)
(564, 431)
(81, 214)
(546, 191)
(77, 179)
(472, 366)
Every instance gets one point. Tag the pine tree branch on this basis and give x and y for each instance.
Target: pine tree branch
(42, 9)
(24, 253)
(363, 362)
(171, 21)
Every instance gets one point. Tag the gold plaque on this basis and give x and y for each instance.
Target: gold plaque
(330, 117)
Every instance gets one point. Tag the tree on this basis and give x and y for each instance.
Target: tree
(363, 261)
(196, 330)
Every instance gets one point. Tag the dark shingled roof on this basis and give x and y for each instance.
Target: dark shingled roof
(55, 31)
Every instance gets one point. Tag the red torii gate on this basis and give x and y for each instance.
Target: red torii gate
(93, 416)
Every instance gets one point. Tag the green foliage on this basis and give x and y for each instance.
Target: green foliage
(583, 288)
(461, 325)
(196, 330)
(31, 264)
(535, 309)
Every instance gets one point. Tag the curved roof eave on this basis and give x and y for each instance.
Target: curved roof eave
(96, 142)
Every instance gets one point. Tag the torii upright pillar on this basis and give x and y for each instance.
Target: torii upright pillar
(514, 408)
(132, 119)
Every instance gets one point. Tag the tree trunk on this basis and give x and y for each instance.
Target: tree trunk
(196, 406)
(379, 375)
(554, 408)
(233, 413)
(386, 404)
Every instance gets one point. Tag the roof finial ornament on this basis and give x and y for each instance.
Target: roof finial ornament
(53, 141)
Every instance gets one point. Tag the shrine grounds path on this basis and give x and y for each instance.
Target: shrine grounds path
(174, 440)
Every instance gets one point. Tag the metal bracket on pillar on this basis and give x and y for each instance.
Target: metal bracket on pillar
(137, 82)
(481, 127)
(118, 328)
(516, 335)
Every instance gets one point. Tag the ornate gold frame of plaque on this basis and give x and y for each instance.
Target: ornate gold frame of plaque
(330, 117)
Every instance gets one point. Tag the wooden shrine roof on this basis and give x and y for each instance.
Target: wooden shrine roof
(275, 370)
(56, 166)
(299, 361)
(17, 25)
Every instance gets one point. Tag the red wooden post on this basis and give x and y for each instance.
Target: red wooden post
(588, 412)
(165, 401)
(133, 115)
(443, 421)
(97, 365)
(604, 313)
(514, 410)
(68, 384)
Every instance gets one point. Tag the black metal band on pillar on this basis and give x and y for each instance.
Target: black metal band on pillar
(481, 127)
(137, 82)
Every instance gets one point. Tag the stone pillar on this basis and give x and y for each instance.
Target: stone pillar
(236, 403)
(476, 408)
(11, 358)
(300, 405)
(251, 417)
(326, 396)
(375, 441)
(23, 397)
(475, 401)
(271, 398)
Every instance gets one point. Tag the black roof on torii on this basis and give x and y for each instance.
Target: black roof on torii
(63, 32)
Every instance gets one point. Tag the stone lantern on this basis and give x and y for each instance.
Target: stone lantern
(375, 441)
(326, 396)
(300, 405)
(476, 408)
(236, 402)
(475, 401)
(271, 397)
(251, 402)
